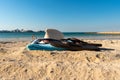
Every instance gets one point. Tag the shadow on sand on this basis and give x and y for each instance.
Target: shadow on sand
(106, 49)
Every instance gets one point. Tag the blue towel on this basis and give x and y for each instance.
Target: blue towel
(41, 46)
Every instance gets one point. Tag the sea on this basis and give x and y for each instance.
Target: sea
(27, 36)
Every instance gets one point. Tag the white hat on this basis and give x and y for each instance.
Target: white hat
(53, 33)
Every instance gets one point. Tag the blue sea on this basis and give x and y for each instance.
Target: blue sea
(27, 36)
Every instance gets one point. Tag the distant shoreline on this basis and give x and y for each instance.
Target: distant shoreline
(108, 32)
(32, 31)
(19, 31)
(96, 32)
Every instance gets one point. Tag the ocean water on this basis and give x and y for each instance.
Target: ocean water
(27, 36)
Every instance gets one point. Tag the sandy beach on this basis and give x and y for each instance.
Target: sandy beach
(17, 63)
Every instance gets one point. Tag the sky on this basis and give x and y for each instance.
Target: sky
(64, 15)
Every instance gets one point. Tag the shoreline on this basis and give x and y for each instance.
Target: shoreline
(79, 35)
(81, 38)
(112, 33)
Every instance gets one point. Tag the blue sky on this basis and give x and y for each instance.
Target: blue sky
(64, 15)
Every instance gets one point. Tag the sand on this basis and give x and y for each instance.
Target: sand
(17, 63)
(112, 33)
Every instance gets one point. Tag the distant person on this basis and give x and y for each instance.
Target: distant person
(33, 37)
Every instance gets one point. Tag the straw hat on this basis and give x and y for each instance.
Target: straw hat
(53, 33)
